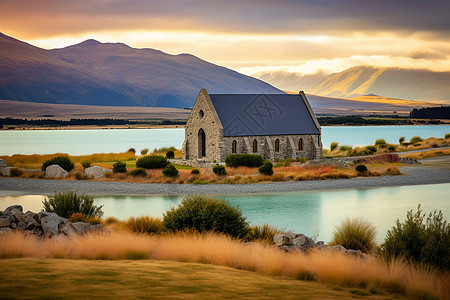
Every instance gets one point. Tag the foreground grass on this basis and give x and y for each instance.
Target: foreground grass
(27, 278)
(372, 275)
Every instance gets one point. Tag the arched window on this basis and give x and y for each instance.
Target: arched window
(300, 144)
(201, 113)
(277, 145)
(201, 143)
(233, 146)
(255, 146)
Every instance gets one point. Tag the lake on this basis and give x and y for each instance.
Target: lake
(310, 213)
(81, 142)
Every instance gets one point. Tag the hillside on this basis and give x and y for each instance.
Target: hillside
(113, 74)
(421, 85)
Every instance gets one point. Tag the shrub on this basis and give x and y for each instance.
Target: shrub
(345, 148)
(219, 170)
(119, 167)
(80, 176)
(361, 168)
(77, 217)
(86, 164)
(170, 171)
(244, 160)
(380, 142)
(419, 240)
(144, 151)
(206, 214)
(401, 140)
(387, 157)
(263, 233)
(356, 234)
(170, 154)
(333, 146)
(283, 162)
(63, 161)
(195, 171)
(65, 204)
(164, 149)
(415, 140)
(138, 172)
(447, 136)
(266, 169)
(152, 162)
(131, 150)
(145, 224)
(391, 148)
(16, 172)
(371, 149)
(393, 171)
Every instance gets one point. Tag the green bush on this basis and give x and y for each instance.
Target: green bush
(447, 136)
(415, 140)
(164, 149)
(170, 154)
(356, 234)
(131, 150)
(380, 142)
(361, 168)
(119, 167)
(333, 145)
(66, 204)
(371, 149)
(63, 161)
(401, 140)
(391, 148)
(16, 172)
(86, 164)
(152, 162)
(219, 170)
(145, 224)
(420, 240)
(206, 214)
(170, 171)
(283, 162)
(144, 151)
(345, 148)
(195, 171)
(266, 168)
(138, 172)
(244, 160)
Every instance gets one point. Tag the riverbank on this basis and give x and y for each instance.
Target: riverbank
(437, 171)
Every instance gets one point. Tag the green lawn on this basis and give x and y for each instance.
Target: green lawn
(28, 278)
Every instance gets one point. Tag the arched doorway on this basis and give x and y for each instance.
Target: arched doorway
(201, 143)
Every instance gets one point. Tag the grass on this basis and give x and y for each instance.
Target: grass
(356, 234)
(26, 278)
(427, 154)
(326, 267)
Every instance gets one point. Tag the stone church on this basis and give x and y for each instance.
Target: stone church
(271, 125)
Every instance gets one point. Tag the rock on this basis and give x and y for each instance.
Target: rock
(281, 239)
(21, 225)
(289, 248)
(96, 172)
(68, 229)
(50, 223)
(338, 248)
(5, 171)
(2, 164)
(55, 171)
(409, 161)
(81, 228)
(320, 243)
(12, 207)
(5, 230)
(303, 242)
(5, 221)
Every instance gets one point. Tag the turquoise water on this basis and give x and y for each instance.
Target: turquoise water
(310, 213)
(80, 142)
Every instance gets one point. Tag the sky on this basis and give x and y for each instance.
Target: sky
(249, 35)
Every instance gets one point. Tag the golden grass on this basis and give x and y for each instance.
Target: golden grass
(210, 248)
(426, 154)
(28, 278)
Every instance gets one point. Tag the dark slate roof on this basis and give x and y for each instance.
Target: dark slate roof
(263, 114)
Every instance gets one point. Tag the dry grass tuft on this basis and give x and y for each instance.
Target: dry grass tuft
(393, 171)
(333, 267)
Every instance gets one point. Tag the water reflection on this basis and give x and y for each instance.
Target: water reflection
(306, 212)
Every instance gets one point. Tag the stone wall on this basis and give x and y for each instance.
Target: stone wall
(266, 146)
(203, 116)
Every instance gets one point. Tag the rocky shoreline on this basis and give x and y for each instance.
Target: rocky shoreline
(414, 175)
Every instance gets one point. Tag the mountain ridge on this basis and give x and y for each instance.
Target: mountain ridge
(95, 73)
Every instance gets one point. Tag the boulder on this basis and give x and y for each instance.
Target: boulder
(12, 207)
(50, 223)
(55, 171)
(2, 164)
(338, 248)
(5, 171)
(96, 172)
(5, 230)
(303, 242)
(281, 239)
(81, 227)
(5, 221)
(68, 228)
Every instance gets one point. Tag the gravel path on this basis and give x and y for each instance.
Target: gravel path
(413, 176)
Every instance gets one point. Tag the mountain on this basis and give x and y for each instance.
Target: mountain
(411, 84)
(113, 74)
(290, 81)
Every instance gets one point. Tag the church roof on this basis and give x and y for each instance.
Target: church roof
(264, 114)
